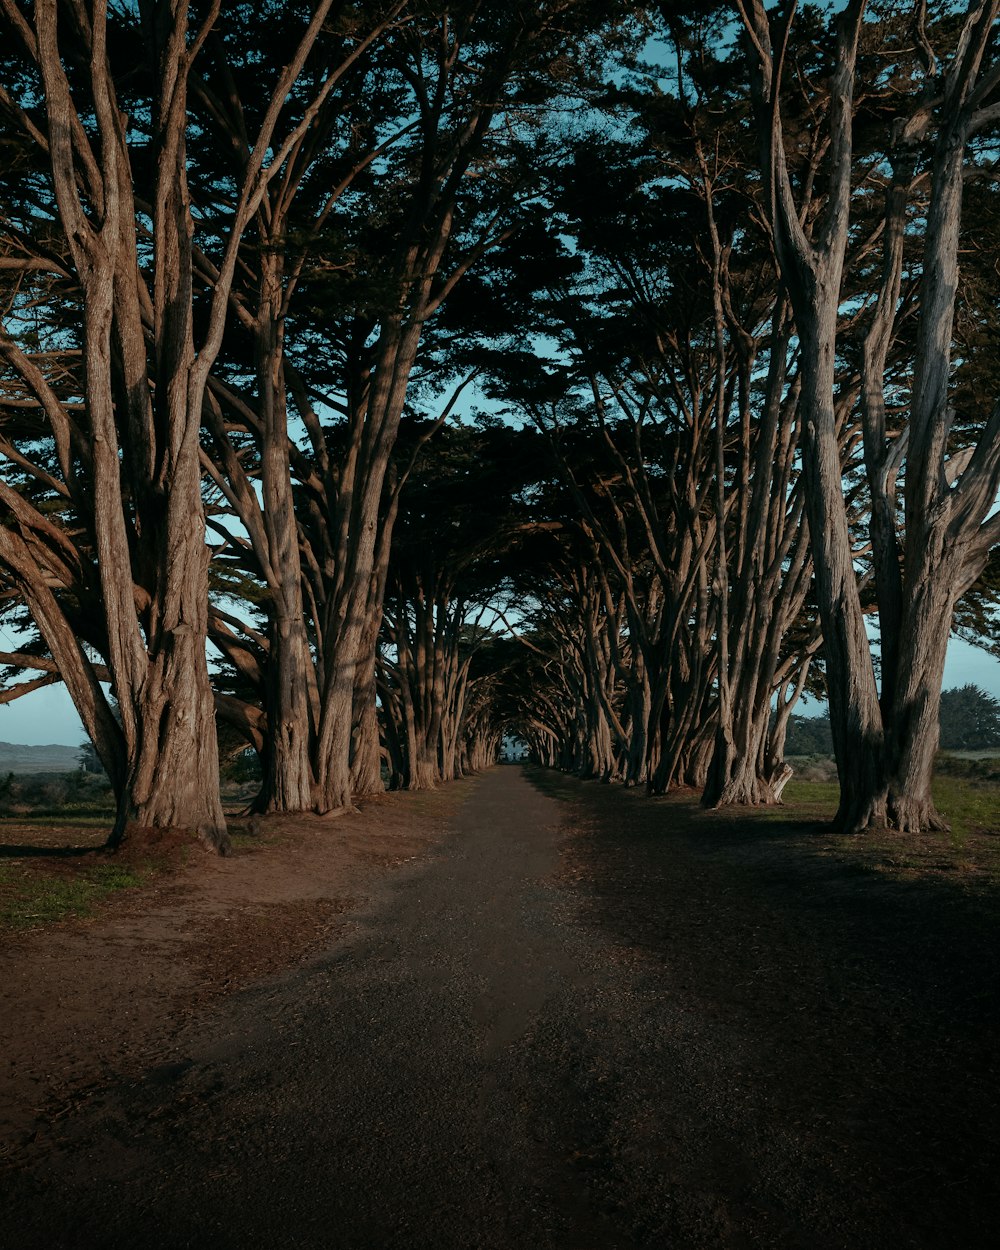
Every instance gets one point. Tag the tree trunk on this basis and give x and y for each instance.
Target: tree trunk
(366, 748)
(166, 700)
(288, 780)
(812, 270)
(947, 502)
(347, 637)
(855, 716)
(175, 777)
(915, 725)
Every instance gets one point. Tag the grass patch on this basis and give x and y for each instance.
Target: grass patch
(968, 853)
(816, 800)
(969, 809)
(30, 898)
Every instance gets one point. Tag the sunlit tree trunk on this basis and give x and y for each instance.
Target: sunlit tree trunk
(157, 659)
(812, 270)
(948, 496)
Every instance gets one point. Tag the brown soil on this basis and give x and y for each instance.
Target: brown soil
(89, 1001)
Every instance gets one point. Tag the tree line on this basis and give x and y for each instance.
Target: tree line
(734, 314)
(970, 721)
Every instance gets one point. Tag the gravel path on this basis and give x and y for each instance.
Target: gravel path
(514, 1054)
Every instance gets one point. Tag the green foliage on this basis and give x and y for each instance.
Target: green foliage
(809, 735)
(977, 615)
(242, 768)
(89, 760)
(970, 719)
(68, 795)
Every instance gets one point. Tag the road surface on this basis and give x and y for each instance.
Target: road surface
(557, 1032)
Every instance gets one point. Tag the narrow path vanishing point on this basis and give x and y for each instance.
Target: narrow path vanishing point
(482, 1066)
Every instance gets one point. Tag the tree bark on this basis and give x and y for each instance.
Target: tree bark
(812, 271)
(947, 536)
(288, 779)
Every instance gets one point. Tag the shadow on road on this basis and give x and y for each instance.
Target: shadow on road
(854, 984)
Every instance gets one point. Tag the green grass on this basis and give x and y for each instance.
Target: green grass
(968, 808)
(969, 852)
(31, 899)
(970, 804)
(815, 799)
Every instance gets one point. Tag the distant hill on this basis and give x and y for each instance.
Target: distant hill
(15, 757)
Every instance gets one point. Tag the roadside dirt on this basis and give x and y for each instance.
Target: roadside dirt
(90, 1001)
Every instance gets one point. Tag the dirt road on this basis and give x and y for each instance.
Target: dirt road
(581, 1023)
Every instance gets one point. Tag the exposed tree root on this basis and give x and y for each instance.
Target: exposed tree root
(901, 813)
(916, 815)
(744, 792)
(134, 838)
(745, 787)
(861, 815)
